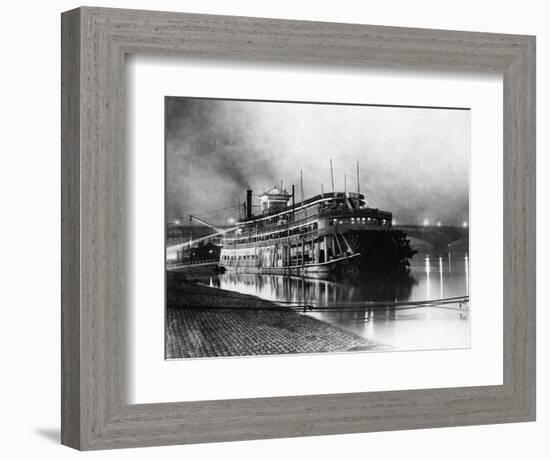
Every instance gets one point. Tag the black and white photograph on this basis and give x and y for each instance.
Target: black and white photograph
(297, 228)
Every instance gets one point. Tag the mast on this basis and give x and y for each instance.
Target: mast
(191, 232)
(302, 187)
(331, 176)
(293, 202)
(322, 191)
(345, 185)
(358, 187)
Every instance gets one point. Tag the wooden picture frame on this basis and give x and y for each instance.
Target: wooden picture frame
(95, 412)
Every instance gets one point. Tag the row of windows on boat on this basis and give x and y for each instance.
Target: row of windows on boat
(279, 234)
(359, 220)
(297, 253)
(312, 227)
(295, 259)
(242, 257)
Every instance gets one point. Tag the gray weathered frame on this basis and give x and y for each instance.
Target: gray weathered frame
(95, 414)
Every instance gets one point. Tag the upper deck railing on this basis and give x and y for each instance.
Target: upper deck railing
(285, 220)
(319, 198)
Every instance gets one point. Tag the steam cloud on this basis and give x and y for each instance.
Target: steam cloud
(414, 161)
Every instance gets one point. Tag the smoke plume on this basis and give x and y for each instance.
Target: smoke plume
(413, 161)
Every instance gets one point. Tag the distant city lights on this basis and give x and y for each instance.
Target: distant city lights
(439, 223)
(231, 220)
(426, 222)
(464, 224)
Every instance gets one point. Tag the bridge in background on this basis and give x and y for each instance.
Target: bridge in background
(437, 236)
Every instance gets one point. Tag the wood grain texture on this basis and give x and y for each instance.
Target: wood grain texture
(70, 229)
(95, 413)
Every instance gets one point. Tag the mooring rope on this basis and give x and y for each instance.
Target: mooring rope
(361, 306)
(305, 306)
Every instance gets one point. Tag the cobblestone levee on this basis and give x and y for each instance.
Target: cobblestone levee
(204, 322)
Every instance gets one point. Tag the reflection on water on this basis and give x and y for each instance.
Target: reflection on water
(432, 276)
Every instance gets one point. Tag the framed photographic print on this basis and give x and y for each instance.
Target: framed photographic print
(251, 206)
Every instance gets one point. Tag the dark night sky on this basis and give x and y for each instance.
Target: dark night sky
(414, 161)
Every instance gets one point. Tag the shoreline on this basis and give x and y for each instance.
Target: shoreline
(202, 321)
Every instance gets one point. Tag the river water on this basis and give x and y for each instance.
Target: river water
(432, 276)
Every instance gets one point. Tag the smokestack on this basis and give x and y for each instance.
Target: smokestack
(358, 187)
(345, 185)
(248, 203)
(302, 187)
(332, 178)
